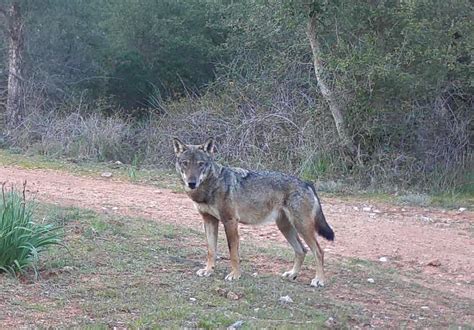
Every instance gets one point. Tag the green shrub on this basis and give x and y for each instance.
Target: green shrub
(21, 239)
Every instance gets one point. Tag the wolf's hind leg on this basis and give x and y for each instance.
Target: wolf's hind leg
(309, 235)
(211, 227)
(291, 235)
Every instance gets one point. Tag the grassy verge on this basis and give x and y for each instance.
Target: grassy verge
(167, 179)
(448, 200)
(133, 173)
(140, 273)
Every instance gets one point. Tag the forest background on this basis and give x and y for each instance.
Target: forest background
(354, 94)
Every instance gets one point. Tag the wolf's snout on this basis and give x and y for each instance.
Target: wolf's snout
(192, 184)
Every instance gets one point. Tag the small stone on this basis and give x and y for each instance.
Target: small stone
(329, 322)
(383, 259)
(118, 162)
(192, 299)
(462, 209)
(236, 325)
(255, 274)
(371, 280)
(425, 307)
(285, 300)
(425, 218)
(232, 295)
(106, 174)
(68, 269)
(115, 208)
(377, 211)
(221, 292)
(356, 208)
(434, 263)
(367, 209)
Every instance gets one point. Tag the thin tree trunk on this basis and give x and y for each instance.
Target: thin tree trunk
(15, 65)
(328, 94)
(13, 28)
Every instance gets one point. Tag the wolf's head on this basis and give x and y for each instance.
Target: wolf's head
(194, 162)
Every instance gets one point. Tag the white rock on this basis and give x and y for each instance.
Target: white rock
(383, 259)
(356, 208)
(367, 209)
(192, 299)
(106, 174)
(462, 209)
(285, 300)
(236, 325)
(371, 280)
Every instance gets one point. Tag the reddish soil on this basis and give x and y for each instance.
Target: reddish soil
(434, 246)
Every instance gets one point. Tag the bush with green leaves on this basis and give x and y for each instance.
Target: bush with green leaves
(21, 238)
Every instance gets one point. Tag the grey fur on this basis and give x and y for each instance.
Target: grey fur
(233, 195)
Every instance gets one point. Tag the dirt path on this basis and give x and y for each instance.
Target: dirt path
(410, 238)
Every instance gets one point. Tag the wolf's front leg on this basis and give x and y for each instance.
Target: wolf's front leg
(232, 233)
(211, 227)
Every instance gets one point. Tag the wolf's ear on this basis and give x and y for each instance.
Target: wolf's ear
(208, 146)
(179, 147)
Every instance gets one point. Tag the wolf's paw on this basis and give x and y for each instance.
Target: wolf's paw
(204, 272)
(291, 275)
(232, 276)
(316, 282)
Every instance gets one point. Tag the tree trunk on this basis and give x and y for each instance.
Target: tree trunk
(13, 27)
(15, 65)
(328, 94)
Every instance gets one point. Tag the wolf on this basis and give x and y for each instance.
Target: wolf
(232, 195)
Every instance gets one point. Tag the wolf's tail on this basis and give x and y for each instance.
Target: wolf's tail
(322, 227)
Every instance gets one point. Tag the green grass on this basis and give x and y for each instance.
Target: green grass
(132, 272)
(22, 237)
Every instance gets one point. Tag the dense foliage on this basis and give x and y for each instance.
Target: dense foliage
(115, 79)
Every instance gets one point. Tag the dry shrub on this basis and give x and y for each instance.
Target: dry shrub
(276, 131)
(79, 135)
(246, 136)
